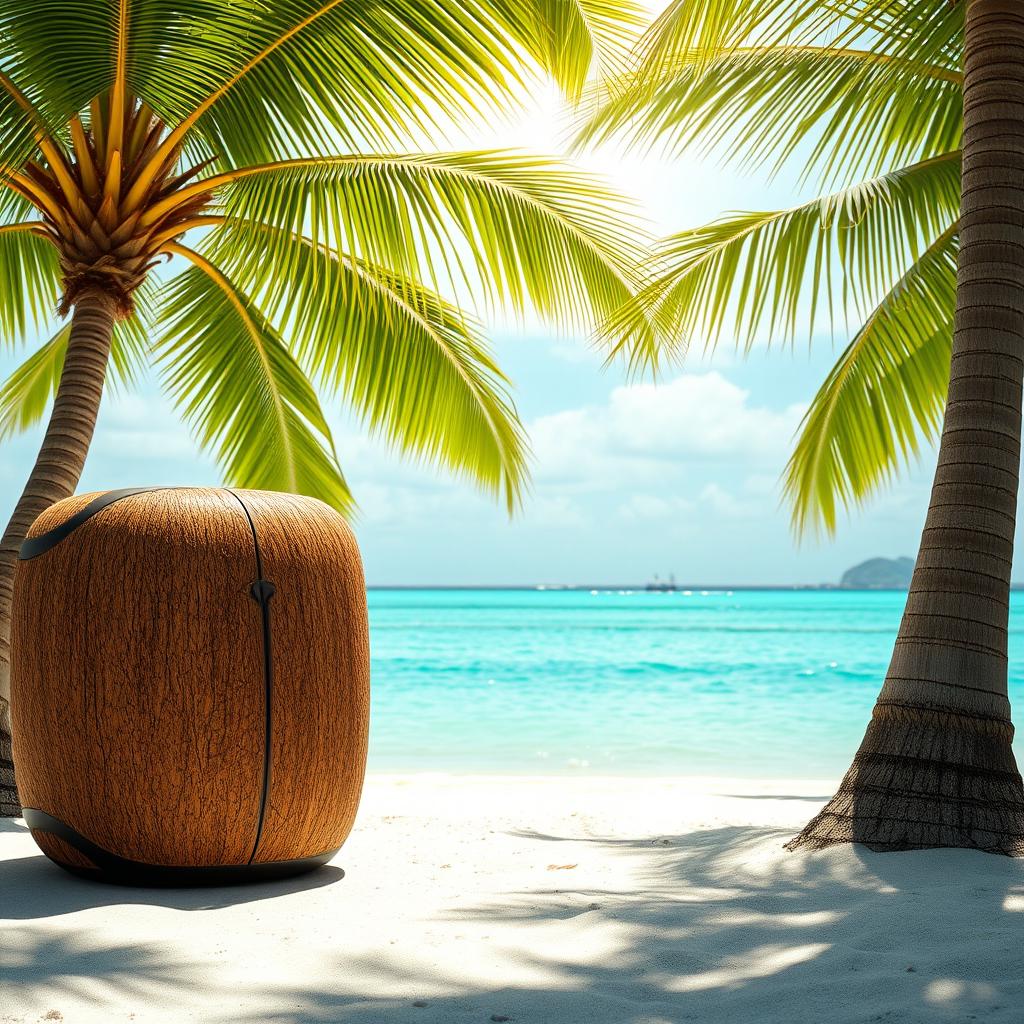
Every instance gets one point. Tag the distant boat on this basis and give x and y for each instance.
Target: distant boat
(661, 586)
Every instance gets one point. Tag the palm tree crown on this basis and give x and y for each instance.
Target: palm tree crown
(272, 134)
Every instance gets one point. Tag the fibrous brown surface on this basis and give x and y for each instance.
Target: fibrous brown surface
(935, 767)
(140, 697)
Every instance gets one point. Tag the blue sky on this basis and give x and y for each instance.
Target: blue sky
(630, 478)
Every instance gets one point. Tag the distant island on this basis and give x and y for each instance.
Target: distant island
(879, 574)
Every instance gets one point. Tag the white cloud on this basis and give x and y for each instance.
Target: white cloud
(697, 417)
(651, 508)
(725, 504)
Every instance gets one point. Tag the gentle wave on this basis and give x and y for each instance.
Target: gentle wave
(775, 683)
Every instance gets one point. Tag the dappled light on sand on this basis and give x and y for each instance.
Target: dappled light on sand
(617, 901)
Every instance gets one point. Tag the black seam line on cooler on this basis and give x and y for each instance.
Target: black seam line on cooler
(113, 868)
(261, 592)
(36, 546)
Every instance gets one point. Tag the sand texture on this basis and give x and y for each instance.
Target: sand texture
(539, 901)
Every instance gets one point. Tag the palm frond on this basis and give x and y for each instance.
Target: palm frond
(413, 366)
(243, 394)
(19, 124)
(59, 70)
(905, 29)
(884, 395)
(132, 344)
(922, 33)
(251, 81)
(29, 281)
(26, 394)
(519, 231)
(853, 112)
(772, 273)
(587, 38)
(298, 75)
(705, 30)
(14, 207)
(28, 391)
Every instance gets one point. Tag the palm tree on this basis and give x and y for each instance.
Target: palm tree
(278, 136)
(929, 245)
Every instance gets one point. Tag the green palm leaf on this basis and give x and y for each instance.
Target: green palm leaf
(30, 283)
(59, 70)
(705, 30)
(241, 391)
(885, 394)
(930, 33)
(849, 88)
(769, 273)
(588, 37)
(254, 88)
(258, 81)
(859, 86)
(855, 111)
(28, 391)
(312, 71)
(413, 366)
(924, 33)
(516, 230)
(295, 70)
(132, 344)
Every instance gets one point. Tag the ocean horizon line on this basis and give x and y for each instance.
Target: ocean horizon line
(638, 587)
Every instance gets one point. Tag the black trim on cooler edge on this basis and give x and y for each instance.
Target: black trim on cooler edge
(35, 546)
(261, 591)
(118, 869)
(122, 871)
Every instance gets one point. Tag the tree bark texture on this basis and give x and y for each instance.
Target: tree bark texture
(935, 767)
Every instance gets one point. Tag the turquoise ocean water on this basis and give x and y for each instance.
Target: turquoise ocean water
(745, 683)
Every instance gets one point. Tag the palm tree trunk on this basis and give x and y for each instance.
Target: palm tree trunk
(935, 767)
(54, 476)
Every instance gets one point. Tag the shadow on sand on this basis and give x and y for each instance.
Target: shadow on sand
(721, 926)
(32, 888)
(44, 966)
(44, 970)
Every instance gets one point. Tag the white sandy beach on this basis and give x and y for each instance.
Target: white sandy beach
(477, 899)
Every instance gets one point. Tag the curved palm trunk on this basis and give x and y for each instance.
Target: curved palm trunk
(54, 476)
(935, 767)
